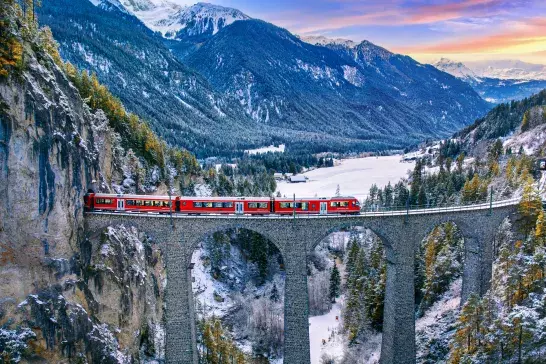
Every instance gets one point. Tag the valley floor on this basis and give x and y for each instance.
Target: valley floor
(353, 176)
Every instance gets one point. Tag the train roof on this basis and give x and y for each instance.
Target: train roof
(197, 198)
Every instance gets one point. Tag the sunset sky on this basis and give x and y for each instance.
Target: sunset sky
(462, 30)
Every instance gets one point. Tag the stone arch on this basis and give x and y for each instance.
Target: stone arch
(192, 241)
(461, 223)
(478, 230)
(349, 225)
(192, 256)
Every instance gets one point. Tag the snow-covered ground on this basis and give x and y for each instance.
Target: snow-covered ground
(263, 150)
(326, 327)
(433, 331)
(354, 177)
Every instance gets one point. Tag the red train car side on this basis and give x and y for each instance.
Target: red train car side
(221, 205)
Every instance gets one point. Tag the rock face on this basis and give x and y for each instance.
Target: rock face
(64, 298)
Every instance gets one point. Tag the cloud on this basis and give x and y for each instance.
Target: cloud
(525, 36)
(455, 10)
(396, 12)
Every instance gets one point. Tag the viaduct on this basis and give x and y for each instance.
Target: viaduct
(401, 232)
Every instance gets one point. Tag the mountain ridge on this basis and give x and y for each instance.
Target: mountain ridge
(275, 75)
(252, 84)
(494, 90)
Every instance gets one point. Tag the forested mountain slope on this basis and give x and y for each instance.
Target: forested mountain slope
(260, 83)
(501, 121)
(379, 98)
(135, 65)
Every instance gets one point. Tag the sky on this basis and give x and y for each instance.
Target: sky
(462, 30)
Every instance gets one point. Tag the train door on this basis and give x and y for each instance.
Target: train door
(121, 205)
(239, 208)
(323, 208)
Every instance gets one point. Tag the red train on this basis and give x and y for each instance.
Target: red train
(221, 205)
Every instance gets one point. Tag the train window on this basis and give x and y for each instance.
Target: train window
(218, 204)
(344, 204)
(103, 201)
(252, 205)
(334, 204)
(263, 205)
(130, 202)
(157, 203)
(228, 204)
(139, 203)
(197, 204)
(166, 204)
(207, 204)
(305, 206)
(148, 203)
(286, 205)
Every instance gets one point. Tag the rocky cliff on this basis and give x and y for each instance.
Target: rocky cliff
(65, 297)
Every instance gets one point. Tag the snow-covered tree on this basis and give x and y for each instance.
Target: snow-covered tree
(335, 283)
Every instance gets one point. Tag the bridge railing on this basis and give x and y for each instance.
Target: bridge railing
(482, 204)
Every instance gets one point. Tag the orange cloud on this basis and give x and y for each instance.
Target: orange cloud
(522, 37)
(392, 13)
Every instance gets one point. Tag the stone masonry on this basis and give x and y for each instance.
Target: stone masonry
(295, 237)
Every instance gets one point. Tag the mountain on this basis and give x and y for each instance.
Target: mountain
(494, 90)
(500, 122)
(363, 92)
(508, 69)
(173, 21)
(457, 69)
(324, 41)
(137, 67)
(52, 146)
(218, 89)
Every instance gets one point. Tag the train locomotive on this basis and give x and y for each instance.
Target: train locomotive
(220, 205)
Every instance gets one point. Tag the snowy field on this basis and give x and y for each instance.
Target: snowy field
(326, 327)
(354, 177)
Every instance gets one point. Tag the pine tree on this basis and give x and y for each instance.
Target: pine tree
(389, 195)
(460, 162)
(335, 283)
(529, 206)
(355, 311)
(525, 121)
(540, 228)
(464, 342)
(511, 171)
(274, 296)
(416, 183)
(352, 256)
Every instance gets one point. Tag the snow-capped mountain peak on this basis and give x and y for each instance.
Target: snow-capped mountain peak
(508, 69)
(201, 18)
(324, 41)
(174, 21)
(457, 69)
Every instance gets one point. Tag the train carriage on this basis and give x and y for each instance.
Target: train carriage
(225, 205)
(285, 206)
